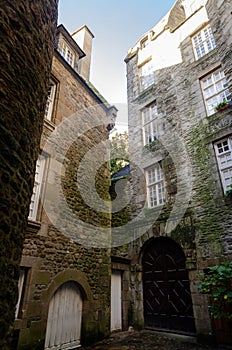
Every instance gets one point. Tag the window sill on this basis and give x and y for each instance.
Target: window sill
(153, 146)
(33, 226)
(146, 90)
(158, 207)
(205, 57)
(49, 124)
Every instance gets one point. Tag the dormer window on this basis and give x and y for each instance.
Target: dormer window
(66, 51)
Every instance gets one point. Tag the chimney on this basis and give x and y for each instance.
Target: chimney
(83, 37)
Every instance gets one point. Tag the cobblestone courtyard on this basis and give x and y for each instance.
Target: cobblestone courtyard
(147, 340)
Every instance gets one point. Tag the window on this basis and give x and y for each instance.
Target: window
(215, 90)
(146, 75)
(40, 164)
(223, 151)
(50, 100)
(155, 186)
(21, 290)
(66, 52)
(152, 125)
(203, 42)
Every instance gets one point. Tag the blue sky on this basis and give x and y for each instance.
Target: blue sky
(116, 25)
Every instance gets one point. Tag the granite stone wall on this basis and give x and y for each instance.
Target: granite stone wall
(204, 231)
(27, 40)
(58, 251)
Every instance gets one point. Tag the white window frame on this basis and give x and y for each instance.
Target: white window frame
(203, 42)
(66, 52)
(153, 127)
(21, 289)
(146, 75)
(39, 174)
(215, 89)
(155, 186)
(223, 150)
(50, 100)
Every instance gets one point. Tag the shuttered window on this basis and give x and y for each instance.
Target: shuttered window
(50, 100)
(39, 172)
(223, 150)
(21, 291)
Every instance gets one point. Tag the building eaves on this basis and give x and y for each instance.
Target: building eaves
(87, 86)
(98, 93)
(61, 29)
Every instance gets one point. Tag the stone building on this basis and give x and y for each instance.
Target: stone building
(64, 283)
(180, 147)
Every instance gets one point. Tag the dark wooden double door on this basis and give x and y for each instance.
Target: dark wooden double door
(166, 291)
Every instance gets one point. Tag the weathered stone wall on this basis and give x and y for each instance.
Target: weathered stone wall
(27, 40)
(52, 257)
(204, 233)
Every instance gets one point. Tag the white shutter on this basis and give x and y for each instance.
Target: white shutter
(64, 318)
(37, 188)
(22, 275)
(50, 100)
(116, 300)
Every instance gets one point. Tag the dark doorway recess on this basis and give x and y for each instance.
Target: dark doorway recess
(166, 290)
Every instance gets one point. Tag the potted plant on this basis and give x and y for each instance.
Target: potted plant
(221, 105)
(216, 283)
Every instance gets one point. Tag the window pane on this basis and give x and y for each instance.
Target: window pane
(215, 90)
(203, 42)
(146, 75)
(155, 186)
(150, 124)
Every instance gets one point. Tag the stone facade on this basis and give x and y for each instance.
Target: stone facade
(182, 141)
(51, 257)
(26, 56)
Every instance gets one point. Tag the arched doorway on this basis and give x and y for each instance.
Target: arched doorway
(64, 318)
(166, 290)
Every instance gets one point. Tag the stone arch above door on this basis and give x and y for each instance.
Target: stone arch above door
(166, 289)
(69, 275)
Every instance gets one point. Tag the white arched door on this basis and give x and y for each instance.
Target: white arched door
(64, 318)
